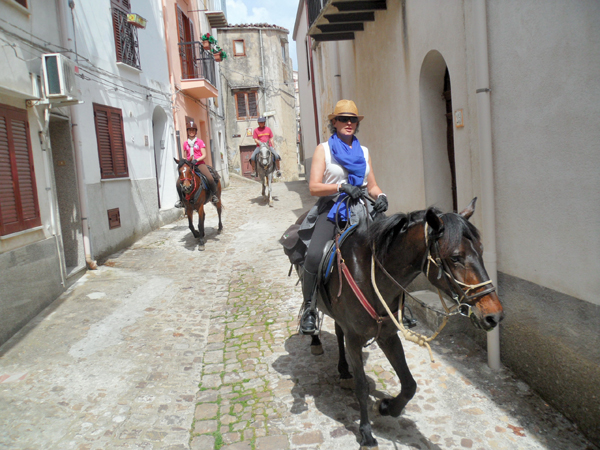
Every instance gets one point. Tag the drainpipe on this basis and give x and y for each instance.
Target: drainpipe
(262, 66)
(46, 149)
(484, 119)
(337, 73)
(76, 136)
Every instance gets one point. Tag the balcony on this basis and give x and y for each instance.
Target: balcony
(217, 16)
(335, 20)
(198, 77)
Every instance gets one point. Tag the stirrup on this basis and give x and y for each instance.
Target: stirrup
(214, 199)
(278, 174)
(179, 204)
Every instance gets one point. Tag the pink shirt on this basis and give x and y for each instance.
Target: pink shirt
(262, 134)
(198, 146)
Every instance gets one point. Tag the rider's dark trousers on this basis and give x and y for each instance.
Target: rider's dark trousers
(324, 231)
(203, 168)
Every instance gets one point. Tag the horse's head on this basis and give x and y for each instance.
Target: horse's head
(455, 265)
(186, 175)
(264, 156)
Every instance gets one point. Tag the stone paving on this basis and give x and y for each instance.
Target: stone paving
(172, 346)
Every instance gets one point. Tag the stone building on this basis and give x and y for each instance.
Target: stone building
(257, 81)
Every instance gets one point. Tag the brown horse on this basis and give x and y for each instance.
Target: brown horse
(447, 248)
(195, 196)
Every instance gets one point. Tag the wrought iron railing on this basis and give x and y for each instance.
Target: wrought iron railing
(314, 9)
(196, 62)
(126, 40)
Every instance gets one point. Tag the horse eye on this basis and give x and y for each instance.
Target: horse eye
(457, 259)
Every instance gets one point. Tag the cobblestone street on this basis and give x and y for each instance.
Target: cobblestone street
(169, 346)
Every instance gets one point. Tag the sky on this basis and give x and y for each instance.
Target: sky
(273, 12)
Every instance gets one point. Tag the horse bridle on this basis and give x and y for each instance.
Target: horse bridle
(192, 179)
(460, 296)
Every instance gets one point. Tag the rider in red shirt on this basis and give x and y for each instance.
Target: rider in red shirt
(194, 149)
(264, 134)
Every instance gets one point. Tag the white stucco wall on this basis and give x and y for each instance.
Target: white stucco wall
(136, 93)
(545, 77)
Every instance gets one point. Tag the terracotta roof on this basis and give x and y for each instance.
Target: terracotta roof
(257, 25)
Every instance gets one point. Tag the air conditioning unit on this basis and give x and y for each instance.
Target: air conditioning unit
(59, 76)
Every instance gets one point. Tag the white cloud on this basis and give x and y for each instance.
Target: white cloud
(283, 10)
(237, 13)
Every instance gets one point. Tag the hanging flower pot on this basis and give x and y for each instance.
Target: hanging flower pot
(217, 56)
(207, 41)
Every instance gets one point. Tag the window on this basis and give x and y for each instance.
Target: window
(126, 39)
(187, 50)
(239, 48)
(307, 58)
(111, 142)
(19, 208)
(283, 51)
(246, 105)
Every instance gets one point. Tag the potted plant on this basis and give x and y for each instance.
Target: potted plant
(207, 41)
(219, 54)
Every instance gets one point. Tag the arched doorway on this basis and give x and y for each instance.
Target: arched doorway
(437, 133)
(159, 135)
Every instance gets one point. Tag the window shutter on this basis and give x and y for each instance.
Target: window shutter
(9, 216)
(19, 208)
(118, 39)
(27, 188)
(117, 140)
(241, 105)
(112, 151)
(103, 137)
(252, 107)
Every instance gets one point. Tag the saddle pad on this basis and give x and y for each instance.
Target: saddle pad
(329, 254)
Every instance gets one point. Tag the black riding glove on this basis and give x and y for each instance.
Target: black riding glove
(354, 192)
(381, 204)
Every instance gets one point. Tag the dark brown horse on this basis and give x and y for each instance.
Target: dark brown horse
(195, 196)
(447, 248)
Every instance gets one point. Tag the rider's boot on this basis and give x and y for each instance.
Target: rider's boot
(278, 164)
(308, 319)
(253, 164)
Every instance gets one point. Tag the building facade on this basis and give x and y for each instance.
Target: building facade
(194, 77)
(87, 142)
(488, 100)
(257, 81)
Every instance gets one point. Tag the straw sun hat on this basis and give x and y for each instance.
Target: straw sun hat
(345, 108)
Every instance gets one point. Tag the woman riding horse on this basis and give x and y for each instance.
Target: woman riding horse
(341, 168)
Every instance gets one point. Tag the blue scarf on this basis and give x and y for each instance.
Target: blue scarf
(353, 160)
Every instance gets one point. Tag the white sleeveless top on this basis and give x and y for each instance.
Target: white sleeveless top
(334, 172)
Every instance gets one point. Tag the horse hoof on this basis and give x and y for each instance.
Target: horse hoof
(364, 447)
(347, 383)
(316, 349)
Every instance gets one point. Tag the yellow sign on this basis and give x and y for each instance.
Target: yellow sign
(136, 20)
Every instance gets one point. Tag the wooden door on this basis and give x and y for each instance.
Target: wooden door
(245, 154)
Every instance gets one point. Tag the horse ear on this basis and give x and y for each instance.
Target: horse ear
(176, 160)
(469, 210)
(434, 221)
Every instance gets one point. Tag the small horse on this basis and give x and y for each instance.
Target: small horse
(265, 166)
(195, 197)
(447, 248)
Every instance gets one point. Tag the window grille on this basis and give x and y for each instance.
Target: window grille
(126, 39)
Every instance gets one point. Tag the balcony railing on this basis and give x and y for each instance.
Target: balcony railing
(314, 9)
(196, 62)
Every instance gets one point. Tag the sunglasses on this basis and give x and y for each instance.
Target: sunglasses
(346, 119)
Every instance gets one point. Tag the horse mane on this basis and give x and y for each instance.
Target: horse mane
(182, 162)
(383, 233)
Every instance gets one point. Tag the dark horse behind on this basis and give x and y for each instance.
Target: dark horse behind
(195, 196)
(447, 248)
